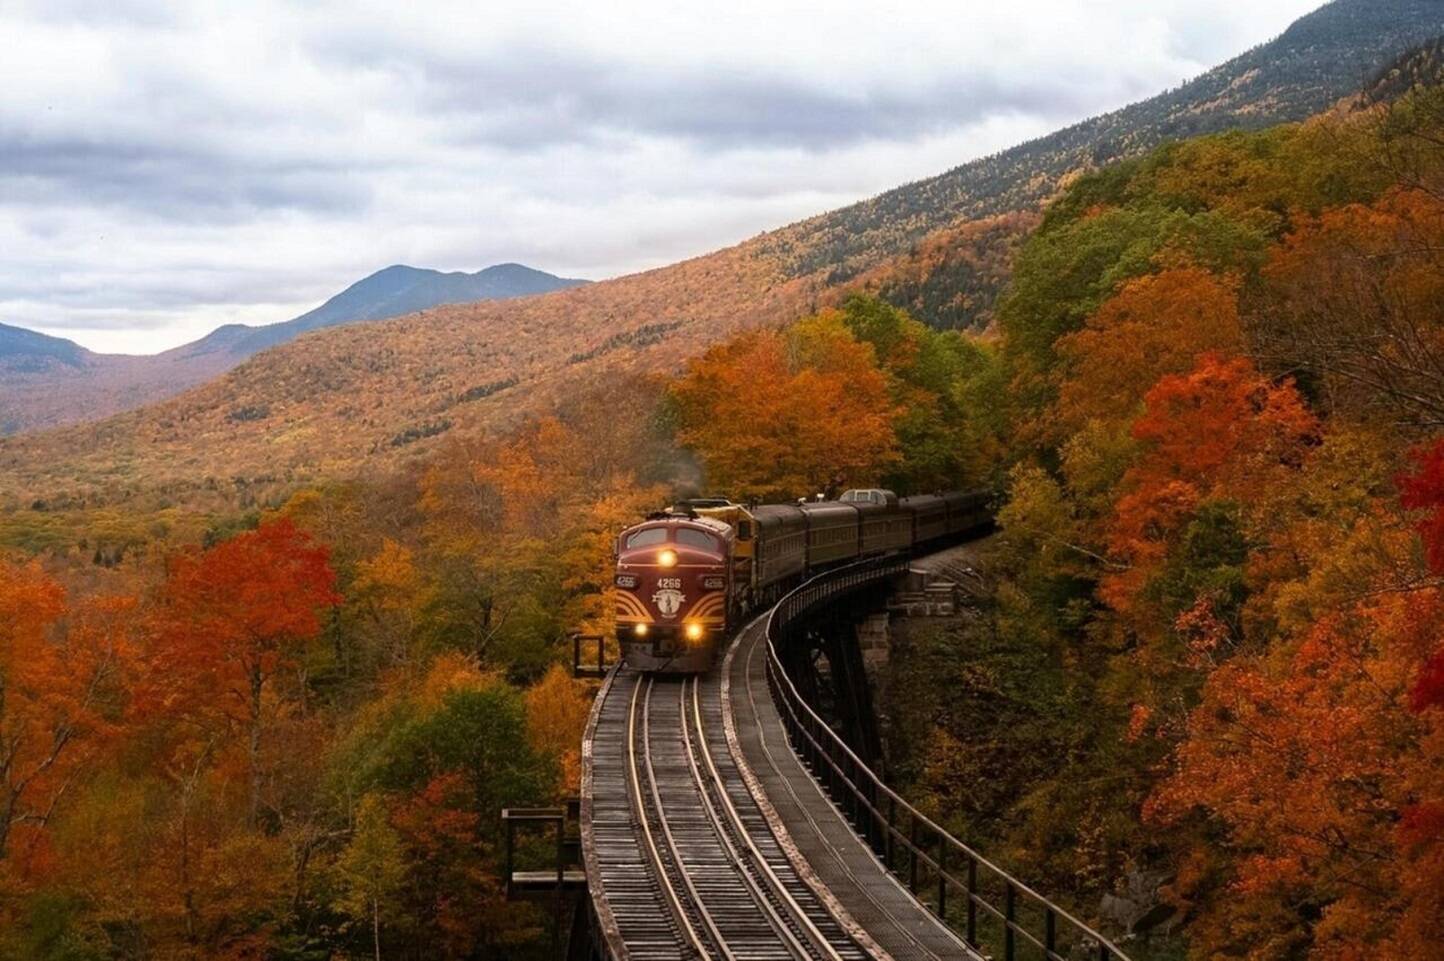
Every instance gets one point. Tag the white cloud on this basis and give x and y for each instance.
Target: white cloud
(164, 170)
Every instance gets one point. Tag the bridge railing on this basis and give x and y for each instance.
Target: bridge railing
(988, 907)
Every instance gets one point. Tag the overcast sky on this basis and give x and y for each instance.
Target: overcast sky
(166, 168)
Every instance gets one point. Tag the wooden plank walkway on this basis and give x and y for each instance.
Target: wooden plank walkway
(862, 895)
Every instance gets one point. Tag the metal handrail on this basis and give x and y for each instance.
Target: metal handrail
(864, 794)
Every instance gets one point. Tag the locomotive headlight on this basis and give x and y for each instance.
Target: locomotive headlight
(667, 558)
(694, 631)
(640, 630)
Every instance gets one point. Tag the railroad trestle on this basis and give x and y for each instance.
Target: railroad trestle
(687, 857)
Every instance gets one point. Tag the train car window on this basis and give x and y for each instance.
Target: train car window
(692, 538)
(648, 537)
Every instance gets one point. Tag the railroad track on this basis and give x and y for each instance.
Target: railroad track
(689, 866)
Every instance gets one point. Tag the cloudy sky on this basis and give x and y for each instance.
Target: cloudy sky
(166, 168)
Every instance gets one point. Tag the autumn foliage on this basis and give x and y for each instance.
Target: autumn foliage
(1199, 697)
(1221, 570)
(788, 414)
(1217, 433)
(61, 700)
(850, 397)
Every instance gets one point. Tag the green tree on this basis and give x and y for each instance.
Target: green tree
(372, 869)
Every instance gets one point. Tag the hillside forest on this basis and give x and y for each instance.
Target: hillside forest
(1209, 663)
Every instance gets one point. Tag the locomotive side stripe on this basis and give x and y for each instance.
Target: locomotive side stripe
(630, 607)
(709, 606)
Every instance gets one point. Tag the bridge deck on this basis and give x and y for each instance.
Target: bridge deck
(864, 897)
(705, 836)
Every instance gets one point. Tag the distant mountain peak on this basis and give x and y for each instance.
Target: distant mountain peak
(46, 381)
(402, 289)
(19, 346)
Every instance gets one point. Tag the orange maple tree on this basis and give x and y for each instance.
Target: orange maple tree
(1325, 783)
(788, 415)
(232, 618)
(1156, 325)
(1220, 431)
(61, 693)
(1355, 297)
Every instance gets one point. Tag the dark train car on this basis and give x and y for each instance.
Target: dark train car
(832, 533)
(929, 514)
(780, 555)
(967, 511)
(674, 582)
(884, 528)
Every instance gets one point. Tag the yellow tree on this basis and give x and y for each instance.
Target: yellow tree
(372, 868)
(389, 587)
(556, 713)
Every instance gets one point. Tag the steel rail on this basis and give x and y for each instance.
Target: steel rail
(754, 889)
(913, 940)
(820, 945)
(654, 854)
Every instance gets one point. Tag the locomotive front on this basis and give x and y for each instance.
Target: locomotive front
(673, 580)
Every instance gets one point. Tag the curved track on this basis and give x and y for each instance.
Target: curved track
(688, 866)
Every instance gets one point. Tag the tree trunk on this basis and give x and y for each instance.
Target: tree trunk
(7, 817)
(376, 925)
(257, 682)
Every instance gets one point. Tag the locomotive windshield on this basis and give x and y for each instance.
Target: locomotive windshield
(651, 536)
(648, 537)
(695, 538)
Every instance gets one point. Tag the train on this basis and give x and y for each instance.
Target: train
(688, 576)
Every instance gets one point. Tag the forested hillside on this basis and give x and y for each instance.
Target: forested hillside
(1321, 59)
(1202, 697)
(385, 394)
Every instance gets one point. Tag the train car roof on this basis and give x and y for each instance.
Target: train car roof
(773, 515)
(828, 508)
(709, 524)
(872, 507)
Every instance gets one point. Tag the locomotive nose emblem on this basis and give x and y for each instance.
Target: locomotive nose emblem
(669, 601)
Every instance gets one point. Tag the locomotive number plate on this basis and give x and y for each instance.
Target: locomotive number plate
(672, 582)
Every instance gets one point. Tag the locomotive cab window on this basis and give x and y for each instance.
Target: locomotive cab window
(648, 537)
(694, 538)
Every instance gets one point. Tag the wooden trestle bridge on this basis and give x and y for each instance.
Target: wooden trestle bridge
(722, 818)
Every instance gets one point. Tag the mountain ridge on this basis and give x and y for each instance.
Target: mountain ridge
(1317, 61)
(48, 381)
(20, 342)
(325, 404)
